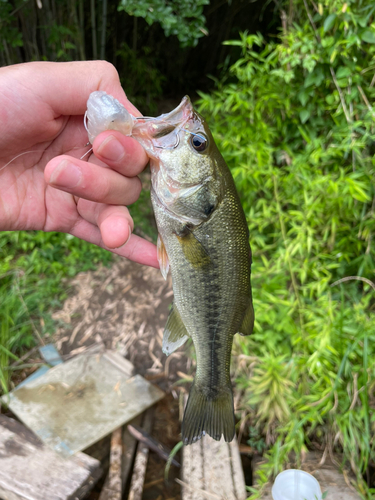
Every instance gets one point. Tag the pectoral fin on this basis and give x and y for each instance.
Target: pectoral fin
(193, 250)
(248, 321)
(175, 333)
(162, 257)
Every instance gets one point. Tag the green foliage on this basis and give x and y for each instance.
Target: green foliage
(143, 216)
(33, 266)
(61, 40)
(9, 32)
(256, 440)
(171, 456)
(295, 124)
(182, 19)
(140, 77)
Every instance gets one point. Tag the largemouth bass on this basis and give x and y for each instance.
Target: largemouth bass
(204, 240)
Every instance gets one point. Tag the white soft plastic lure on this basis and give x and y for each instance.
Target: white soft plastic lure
(104, 112)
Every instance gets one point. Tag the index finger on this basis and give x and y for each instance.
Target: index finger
(69, 84)
(123, 154)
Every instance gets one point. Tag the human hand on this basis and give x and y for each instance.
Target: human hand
(43, 183)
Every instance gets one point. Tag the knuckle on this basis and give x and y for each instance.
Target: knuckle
(135, 190)
(108, 69)
(106, 190)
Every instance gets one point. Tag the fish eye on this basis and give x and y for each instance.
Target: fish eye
(199, 142)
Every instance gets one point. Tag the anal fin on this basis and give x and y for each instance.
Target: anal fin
(162, 257)
(175, 333)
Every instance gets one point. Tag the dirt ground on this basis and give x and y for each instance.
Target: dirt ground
(125, 307)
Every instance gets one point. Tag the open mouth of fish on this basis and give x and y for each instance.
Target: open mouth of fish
(163, 132)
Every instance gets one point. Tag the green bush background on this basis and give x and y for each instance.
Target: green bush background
(294, 121)
(293, 117)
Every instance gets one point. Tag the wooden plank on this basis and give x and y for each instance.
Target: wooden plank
(140, 464)
(192, 469)
(330, 478)
(238, 477)
(29, 470)
(129, 445)
(77, 403)
(112, 489)
(212, 469)
(153, 444)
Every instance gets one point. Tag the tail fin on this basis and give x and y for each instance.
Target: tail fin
(208, 416)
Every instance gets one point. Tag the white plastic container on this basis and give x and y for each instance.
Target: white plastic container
(294, 484)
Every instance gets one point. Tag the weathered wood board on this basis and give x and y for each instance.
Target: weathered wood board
(212, 470)
(112, 489)
(330, 478)
(130, 445)
(140, 463)
(29, 470)
(77, 403)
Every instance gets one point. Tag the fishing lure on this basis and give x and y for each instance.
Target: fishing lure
(105, 112)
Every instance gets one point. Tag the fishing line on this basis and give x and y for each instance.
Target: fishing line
(85, 121)
(43, 151)
(15, 158)
(87, 152)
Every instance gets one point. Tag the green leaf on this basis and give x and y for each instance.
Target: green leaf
(170, 458)
(329, 22)
(304, 115)
(303, 97)
(368, 36)
(314, 78)
(343, 72)
(310, 80)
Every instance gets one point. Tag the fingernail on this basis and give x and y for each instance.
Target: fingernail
(66, 175)
(111, 149)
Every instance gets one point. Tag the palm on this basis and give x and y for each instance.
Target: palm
(32, 203)
(42, 142)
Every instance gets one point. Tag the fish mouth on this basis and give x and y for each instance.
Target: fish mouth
(178, 117)
(162, 132)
